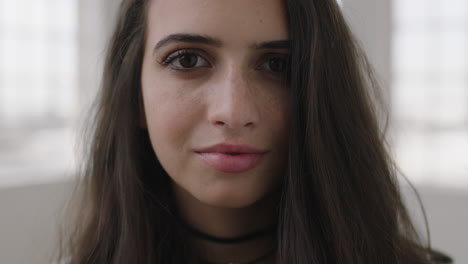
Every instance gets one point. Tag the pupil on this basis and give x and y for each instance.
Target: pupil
(188, 61)
(277, 65)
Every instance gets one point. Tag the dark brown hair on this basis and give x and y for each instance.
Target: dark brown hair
(340, 201)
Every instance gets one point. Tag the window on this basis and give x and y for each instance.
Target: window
(430, 90)
(38, 89)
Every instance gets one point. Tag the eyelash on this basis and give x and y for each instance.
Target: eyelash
(178, 54)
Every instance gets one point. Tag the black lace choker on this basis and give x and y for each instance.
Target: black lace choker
(224, 240)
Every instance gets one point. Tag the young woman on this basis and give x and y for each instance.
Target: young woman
(238, 132)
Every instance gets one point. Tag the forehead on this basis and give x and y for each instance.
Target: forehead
(234, 22)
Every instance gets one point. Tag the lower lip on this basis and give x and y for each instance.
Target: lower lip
(231, 163)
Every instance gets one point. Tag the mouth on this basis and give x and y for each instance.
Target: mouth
(231, 162)
(232, 149)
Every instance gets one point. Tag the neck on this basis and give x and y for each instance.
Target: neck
(228, 223)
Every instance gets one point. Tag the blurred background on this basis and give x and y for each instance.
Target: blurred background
(51, 54)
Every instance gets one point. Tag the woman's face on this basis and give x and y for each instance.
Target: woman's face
(212, 74)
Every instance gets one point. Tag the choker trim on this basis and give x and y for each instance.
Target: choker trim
(256, 260)
(227, 240)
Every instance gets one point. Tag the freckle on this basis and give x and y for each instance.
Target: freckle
(261, 20)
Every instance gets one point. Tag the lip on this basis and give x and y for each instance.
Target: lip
(229, 148)
(218, 157)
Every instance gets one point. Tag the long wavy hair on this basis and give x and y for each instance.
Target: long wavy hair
(339, 202)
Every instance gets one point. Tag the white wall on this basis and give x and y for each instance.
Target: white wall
(29, 220)
(371, 23)
(447, 218)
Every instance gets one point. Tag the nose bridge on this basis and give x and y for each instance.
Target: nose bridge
(236, 99)
(237, 84)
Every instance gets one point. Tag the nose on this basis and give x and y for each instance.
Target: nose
(234, 101)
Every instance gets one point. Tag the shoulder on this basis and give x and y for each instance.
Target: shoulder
(440, 258)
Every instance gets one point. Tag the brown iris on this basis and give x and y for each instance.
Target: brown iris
(188, 60)
(277, 64)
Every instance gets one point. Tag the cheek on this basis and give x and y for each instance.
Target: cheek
(170, 121)
(286, 120)
(279, 113)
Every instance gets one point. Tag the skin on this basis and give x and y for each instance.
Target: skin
(233, 94)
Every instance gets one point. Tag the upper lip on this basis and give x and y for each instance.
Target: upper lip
(231, 148)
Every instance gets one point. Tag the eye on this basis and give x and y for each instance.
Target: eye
(185, 60)
(275, 64)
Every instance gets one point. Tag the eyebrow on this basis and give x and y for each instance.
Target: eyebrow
(194, 38)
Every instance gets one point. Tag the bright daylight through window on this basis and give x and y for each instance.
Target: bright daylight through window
(38, 86)
(430, 90)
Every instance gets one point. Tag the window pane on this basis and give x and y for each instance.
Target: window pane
(430, 90)
(38, 81)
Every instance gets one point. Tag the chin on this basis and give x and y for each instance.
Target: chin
(230, 198)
